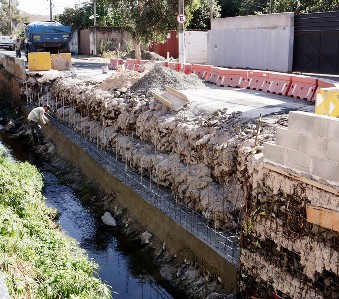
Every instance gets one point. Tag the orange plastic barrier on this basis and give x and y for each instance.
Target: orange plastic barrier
(257, 80)
(175, 66)
(187, 68)
(278, 83)
(323, 83)
(114, 62)
(232, 78)
(303, 87)
(201, 70)
(212, 75)
(132, 64)
(140, 68)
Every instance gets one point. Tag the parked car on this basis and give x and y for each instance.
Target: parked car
(7, 42)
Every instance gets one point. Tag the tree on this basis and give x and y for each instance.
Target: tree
(81, 16)
(8, 14)
(303, 6)
(199, 14)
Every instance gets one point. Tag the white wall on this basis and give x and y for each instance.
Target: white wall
(74, 44)
(196, 46)
(257, 42)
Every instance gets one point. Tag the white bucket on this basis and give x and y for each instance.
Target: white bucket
(104, 69)
(73, 72)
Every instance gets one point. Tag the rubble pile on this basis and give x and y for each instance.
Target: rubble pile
(160, 76)
(146, 55)
(195, 154)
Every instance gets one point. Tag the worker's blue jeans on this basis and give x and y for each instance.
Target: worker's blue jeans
(37, 132)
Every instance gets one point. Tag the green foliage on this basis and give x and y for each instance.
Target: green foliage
(303, 6)
(81, 16)
(199, 14)
(231, 8)
(37, 260)
(7, 14)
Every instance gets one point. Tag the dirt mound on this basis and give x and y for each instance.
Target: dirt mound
(144, 55)
(160, 76)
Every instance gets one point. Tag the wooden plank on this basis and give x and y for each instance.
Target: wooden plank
(177, 93)
(302, 179)
(323, 217)
(162, 100)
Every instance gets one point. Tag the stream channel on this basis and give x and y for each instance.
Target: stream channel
(122, 264)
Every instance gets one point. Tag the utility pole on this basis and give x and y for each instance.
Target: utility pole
(181, 33)
(10, 17)
(95, 26)
(270, 6)
(211, 13)
(50, 10)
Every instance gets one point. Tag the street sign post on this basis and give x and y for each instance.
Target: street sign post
(181, 18)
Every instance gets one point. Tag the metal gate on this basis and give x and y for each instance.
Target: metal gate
(316, 43)
(84, 43)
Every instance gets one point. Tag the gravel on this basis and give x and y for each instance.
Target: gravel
(144, 55)
(156, 79)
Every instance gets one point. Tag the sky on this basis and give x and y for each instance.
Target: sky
(41, 7)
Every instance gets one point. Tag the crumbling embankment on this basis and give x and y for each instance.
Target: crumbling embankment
(198, 154)
(290, 220)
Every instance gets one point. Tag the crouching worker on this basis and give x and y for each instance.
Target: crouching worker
(35, 117)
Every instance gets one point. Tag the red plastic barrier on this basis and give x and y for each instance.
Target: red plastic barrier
(323, 83)
(132, 64)
(201, 70)
(303, 87)
(114, 62)
(187, 68)
(232, 78)
(212, 75)
(257, 80)
(175, 66)
(140, 67)
(278, 83)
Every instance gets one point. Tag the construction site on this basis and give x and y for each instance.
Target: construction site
(236, 168)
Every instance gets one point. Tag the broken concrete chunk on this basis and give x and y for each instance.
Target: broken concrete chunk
(145, 237)
(108, 219)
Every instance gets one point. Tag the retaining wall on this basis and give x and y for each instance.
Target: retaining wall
(177, 239)
(258, 42)
(291, 218)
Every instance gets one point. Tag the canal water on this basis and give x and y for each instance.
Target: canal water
(123, 264)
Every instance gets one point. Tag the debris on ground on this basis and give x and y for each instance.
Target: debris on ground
(123, 79)
(147, 55)
(160, 76)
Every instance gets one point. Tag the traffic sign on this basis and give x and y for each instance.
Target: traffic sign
(181, 18)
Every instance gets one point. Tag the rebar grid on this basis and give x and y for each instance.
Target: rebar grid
(224, 243)
(285, 221)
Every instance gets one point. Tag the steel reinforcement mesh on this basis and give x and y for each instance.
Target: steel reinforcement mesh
(279, 239)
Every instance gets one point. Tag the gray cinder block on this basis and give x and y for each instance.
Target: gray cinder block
(298, 160)
(274, 153)
(287, 138)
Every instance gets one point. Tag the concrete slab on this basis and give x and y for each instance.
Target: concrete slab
(251, 103)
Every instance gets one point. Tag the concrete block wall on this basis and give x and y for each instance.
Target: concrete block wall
(310, 144)
(259, 42)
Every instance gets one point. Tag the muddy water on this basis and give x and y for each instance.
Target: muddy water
(123, 264)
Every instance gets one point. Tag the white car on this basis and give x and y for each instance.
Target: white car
(6, 42)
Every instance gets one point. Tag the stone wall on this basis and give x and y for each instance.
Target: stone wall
(286, 249)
